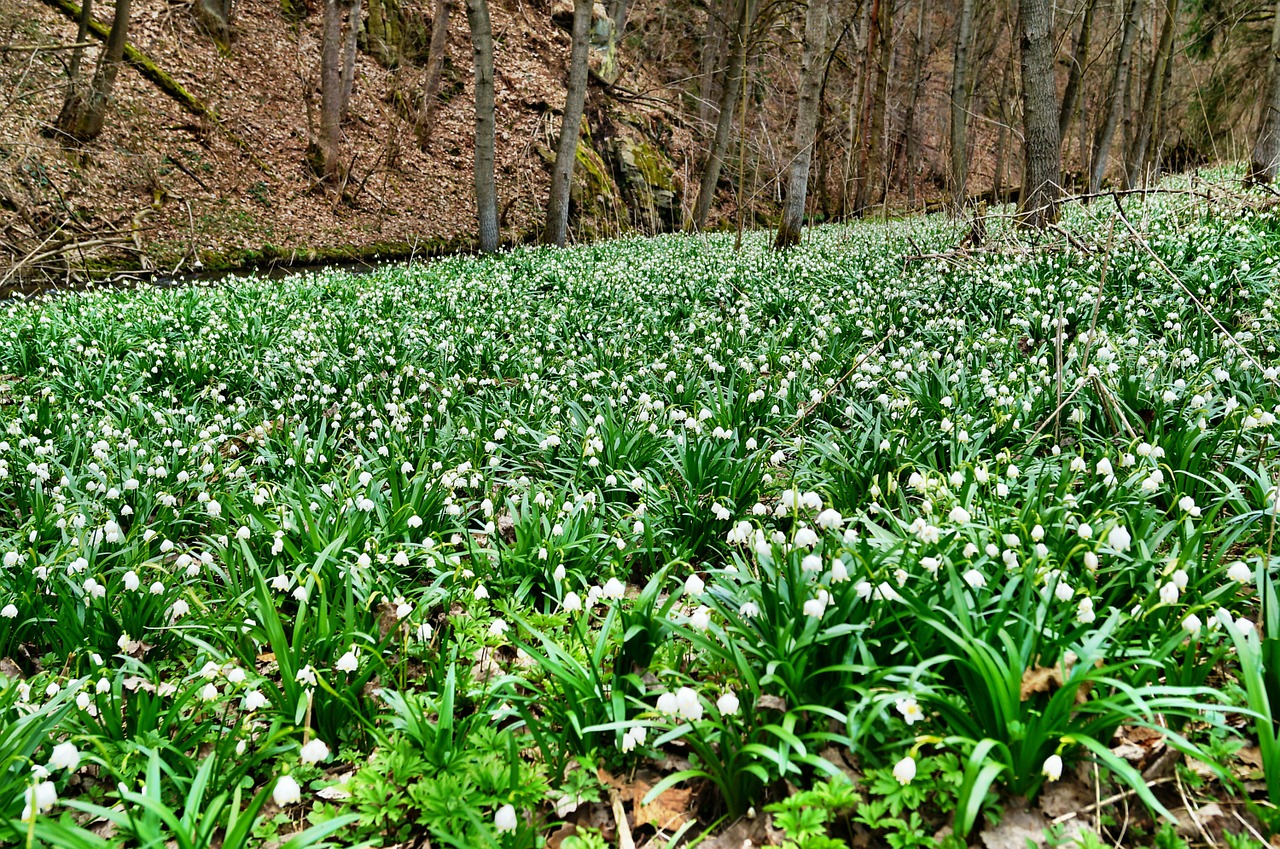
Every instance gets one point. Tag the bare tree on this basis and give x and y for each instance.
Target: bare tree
(215, 17)
(1043, 171)
(1071, 96)
(1115, 96)
(1153, 96)
(920, 55)
(724, 121)
(426, 120)
(349, 54)
(557, 226)
(84, 109)
(326, 148)
(486, 188)
(815, 38)
(873, 182)
(1265, 161)
(867, 103)
(960, 90)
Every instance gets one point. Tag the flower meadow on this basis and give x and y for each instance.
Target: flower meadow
(647, 541)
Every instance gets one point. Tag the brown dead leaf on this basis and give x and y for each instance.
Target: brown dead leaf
(1040, 679)
(667, 812)
(771, 703)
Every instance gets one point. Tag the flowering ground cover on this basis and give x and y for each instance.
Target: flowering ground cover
(875, 542)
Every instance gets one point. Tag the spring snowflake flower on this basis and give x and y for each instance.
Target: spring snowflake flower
(830, 520)
(1240, 573)
(1192, 625)
(694, 585)
(806, 538)
(817, 605)
(253, 700)
(349, 662)
(286, 792)
(314, 752)
(749, 610)
(572, 602)
(306, 675)
(614, 589)
(40, 797)
(688, 705)
(700, 619)
(1169, 593)
(633, 738)
(1085, 614)
(505, 819)
(481, 592)
(1052, 769)
(959, 515)
(498, 627)
(65, 756)
(975, 579)
(1187, 505)
(727, 704)
(1118, 538)
(10, 611)
(905, 770)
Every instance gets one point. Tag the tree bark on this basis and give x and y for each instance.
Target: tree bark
(868, 106)
(724, 121)
(712, 43)
(486, 188)
(815, 40)
(1075, 77)
(84, 111)
(1042, 174)
(215, 17)
(960, 106)
(874, 183)
(911, 153)
(327, 146)
(617, 11)
(1265, 160)
(912, 147)
(1152, 100)
(1115, 99)
(557, 226)
(1002, 139)
(349, 55)
(435, 67)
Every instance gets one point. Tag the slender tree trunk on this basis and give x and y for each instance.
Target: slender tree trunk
(911, 154)
(326, 147)
(1152, 100)
(853, 151)
(1265, 161)
(486, 189)
(868, 98)
(349, 55)
(960, 106)
(712, 43)
(570, 127)
(874, 184)
(617, 11)
(1116, 97)
(815, 41)
(1002, 140)
(1075, 77)
(1043, 169)
(724, 120)
(215, 17)
(435, 67)
(84, 111)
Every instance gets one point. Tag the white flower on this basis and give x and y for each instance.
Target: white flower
(975, 579)
(286, 792)
(806, 538)
(1192, 625)
(65, 756)
(959, 515)
(213, 508)
(1240, 573)
(1187, 504)
(749, 610)
(667, 704)
(830, 520)
(480, 592)
(700, 619)
(498, 627)
(314, 752)
(694, 585)
(910, 710)
(614, 589)
(349, 662)
(40, 797)
(209, 692)
(253, 700)
(1169, 593)
(905, 770)
(1052, 768)
(727, 704)
(688, 705)
(572, 602)
(505, 819)
(1118, 538)
(10, 611)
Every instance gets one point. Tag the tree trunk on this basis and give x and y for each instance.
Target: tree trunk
(349, 55)
(1075, 77)
(215, 17)
(435, 67)
(960, 106)
(868, 97)
(570, 127)
(617, 11)
(1042, 172)
(712, 42)
(1152, 100)
(911, 154)
(1265, 161)
(84, 111)
(327, 147)
(486, 189)
(724, 121)
(1115, 99)
(874, 184)
(1002, 140)
(815, 41)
